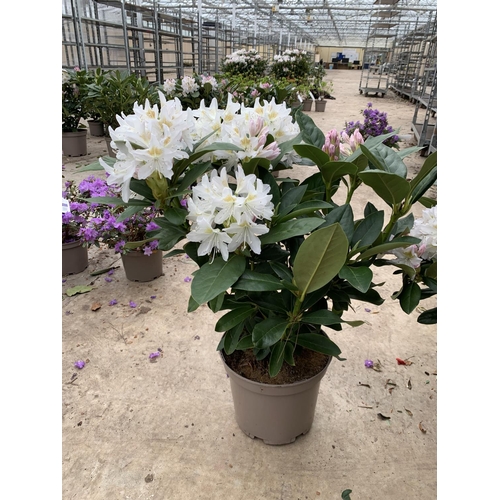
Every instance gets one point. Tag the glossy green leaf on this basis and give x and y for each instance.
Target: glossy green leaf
(281, 270)
(233, 318)
(245, 343)
(290, 229)
(288, 354)
(368, 230)
(321, 317)
(359, 277)
(410, 297)
(428, 317)
(320, 258)
(232, 338)
(268, 332)
(390, 187)
(311, 134)
(389, 160)
(169, 234)
(176, 216)
(216, 277)
(193, 174)
(306, 208)
(277, 358)
(334, 170)
(140, 187)
(318, 343)
(401, 242)
(344, 216)
(291, 199)
(192, 304)
(257, 282)
(315, 154)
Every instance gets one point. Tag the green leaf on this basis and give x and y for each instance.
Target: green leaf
(389, 160)
(390, 187)
(410, 297)
(318, 343)
(232, 338)
(169, 234)
(359, 277)
(175, 215)
(311, 134)
(401, 242)
(291, 199)
(346, 495)
(192, 175)
(428, 317)
(233, 318)
(216, 304)
(427, 202)
(344, 216)
(216, 277)
(245, 343)
(192, 304)
(334, 170)
(320, 258)
(78, 289)
(140, 187)
(317, 155)
(268, 332)
(288, 354)
(281, 270)
(277, 358)
(368, 230)
(290, 229)
(321, 317)
(425, 178)
(306, 208)
(257, 282)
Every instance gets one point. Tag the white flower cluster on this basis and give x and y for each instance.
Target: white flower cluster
(242, 56)
(424, 228)
(225, 220)
(247, 128)
(209, 79)
(149, 140)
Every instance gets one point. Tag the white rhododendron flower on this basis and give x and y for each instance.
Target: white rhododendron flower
(169, 86)
(224, 220)
(424, 228)
(149, 140)
(189, 85)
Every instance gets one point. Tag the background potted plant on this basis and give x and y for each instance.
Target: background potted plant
(74, 133)
(115, 92)
(280, 256)
(77, 234)
(375, 123)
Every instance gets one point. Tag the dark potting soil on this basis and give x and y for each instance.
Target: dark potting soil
(307, 364)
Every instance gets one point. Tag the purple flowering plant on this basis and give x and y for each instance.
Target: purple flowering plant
(375, 123)
(79, 211)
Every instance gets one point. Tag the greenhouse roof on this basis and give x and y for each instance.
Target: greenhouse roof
(340, 23)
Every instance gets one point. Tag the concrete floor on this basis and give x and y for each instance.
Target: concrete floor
(136, 429)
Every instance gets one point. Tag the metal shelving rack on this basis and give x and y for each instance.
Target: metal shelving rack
(409, 59)
(377, 52)
(424, 123)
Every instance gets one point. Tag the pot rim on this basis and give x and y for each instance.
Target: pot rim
(245, 380)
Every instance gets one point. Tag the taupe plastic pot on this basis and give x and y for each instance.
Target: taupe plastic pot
(75, 258)
(111, 153)
(307, 105)
(74, 143)
(96, 128)
(141, 267)
(320, 105)
(277, 414)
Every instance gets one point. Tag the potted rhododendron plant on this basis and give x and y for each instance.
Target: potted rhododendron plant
(279, 259)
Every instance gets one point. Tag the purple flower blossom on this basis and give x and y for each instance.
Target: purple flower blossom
(119, 246)
(113, 302)
(368, 363)
(151, 226)
(111, 272)
(79, 364)
(148, 251)
(153, 297)
(184, 203)
(367, 310)
(187, 279)
(132, 304)
(107, 279)
(154, 355)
